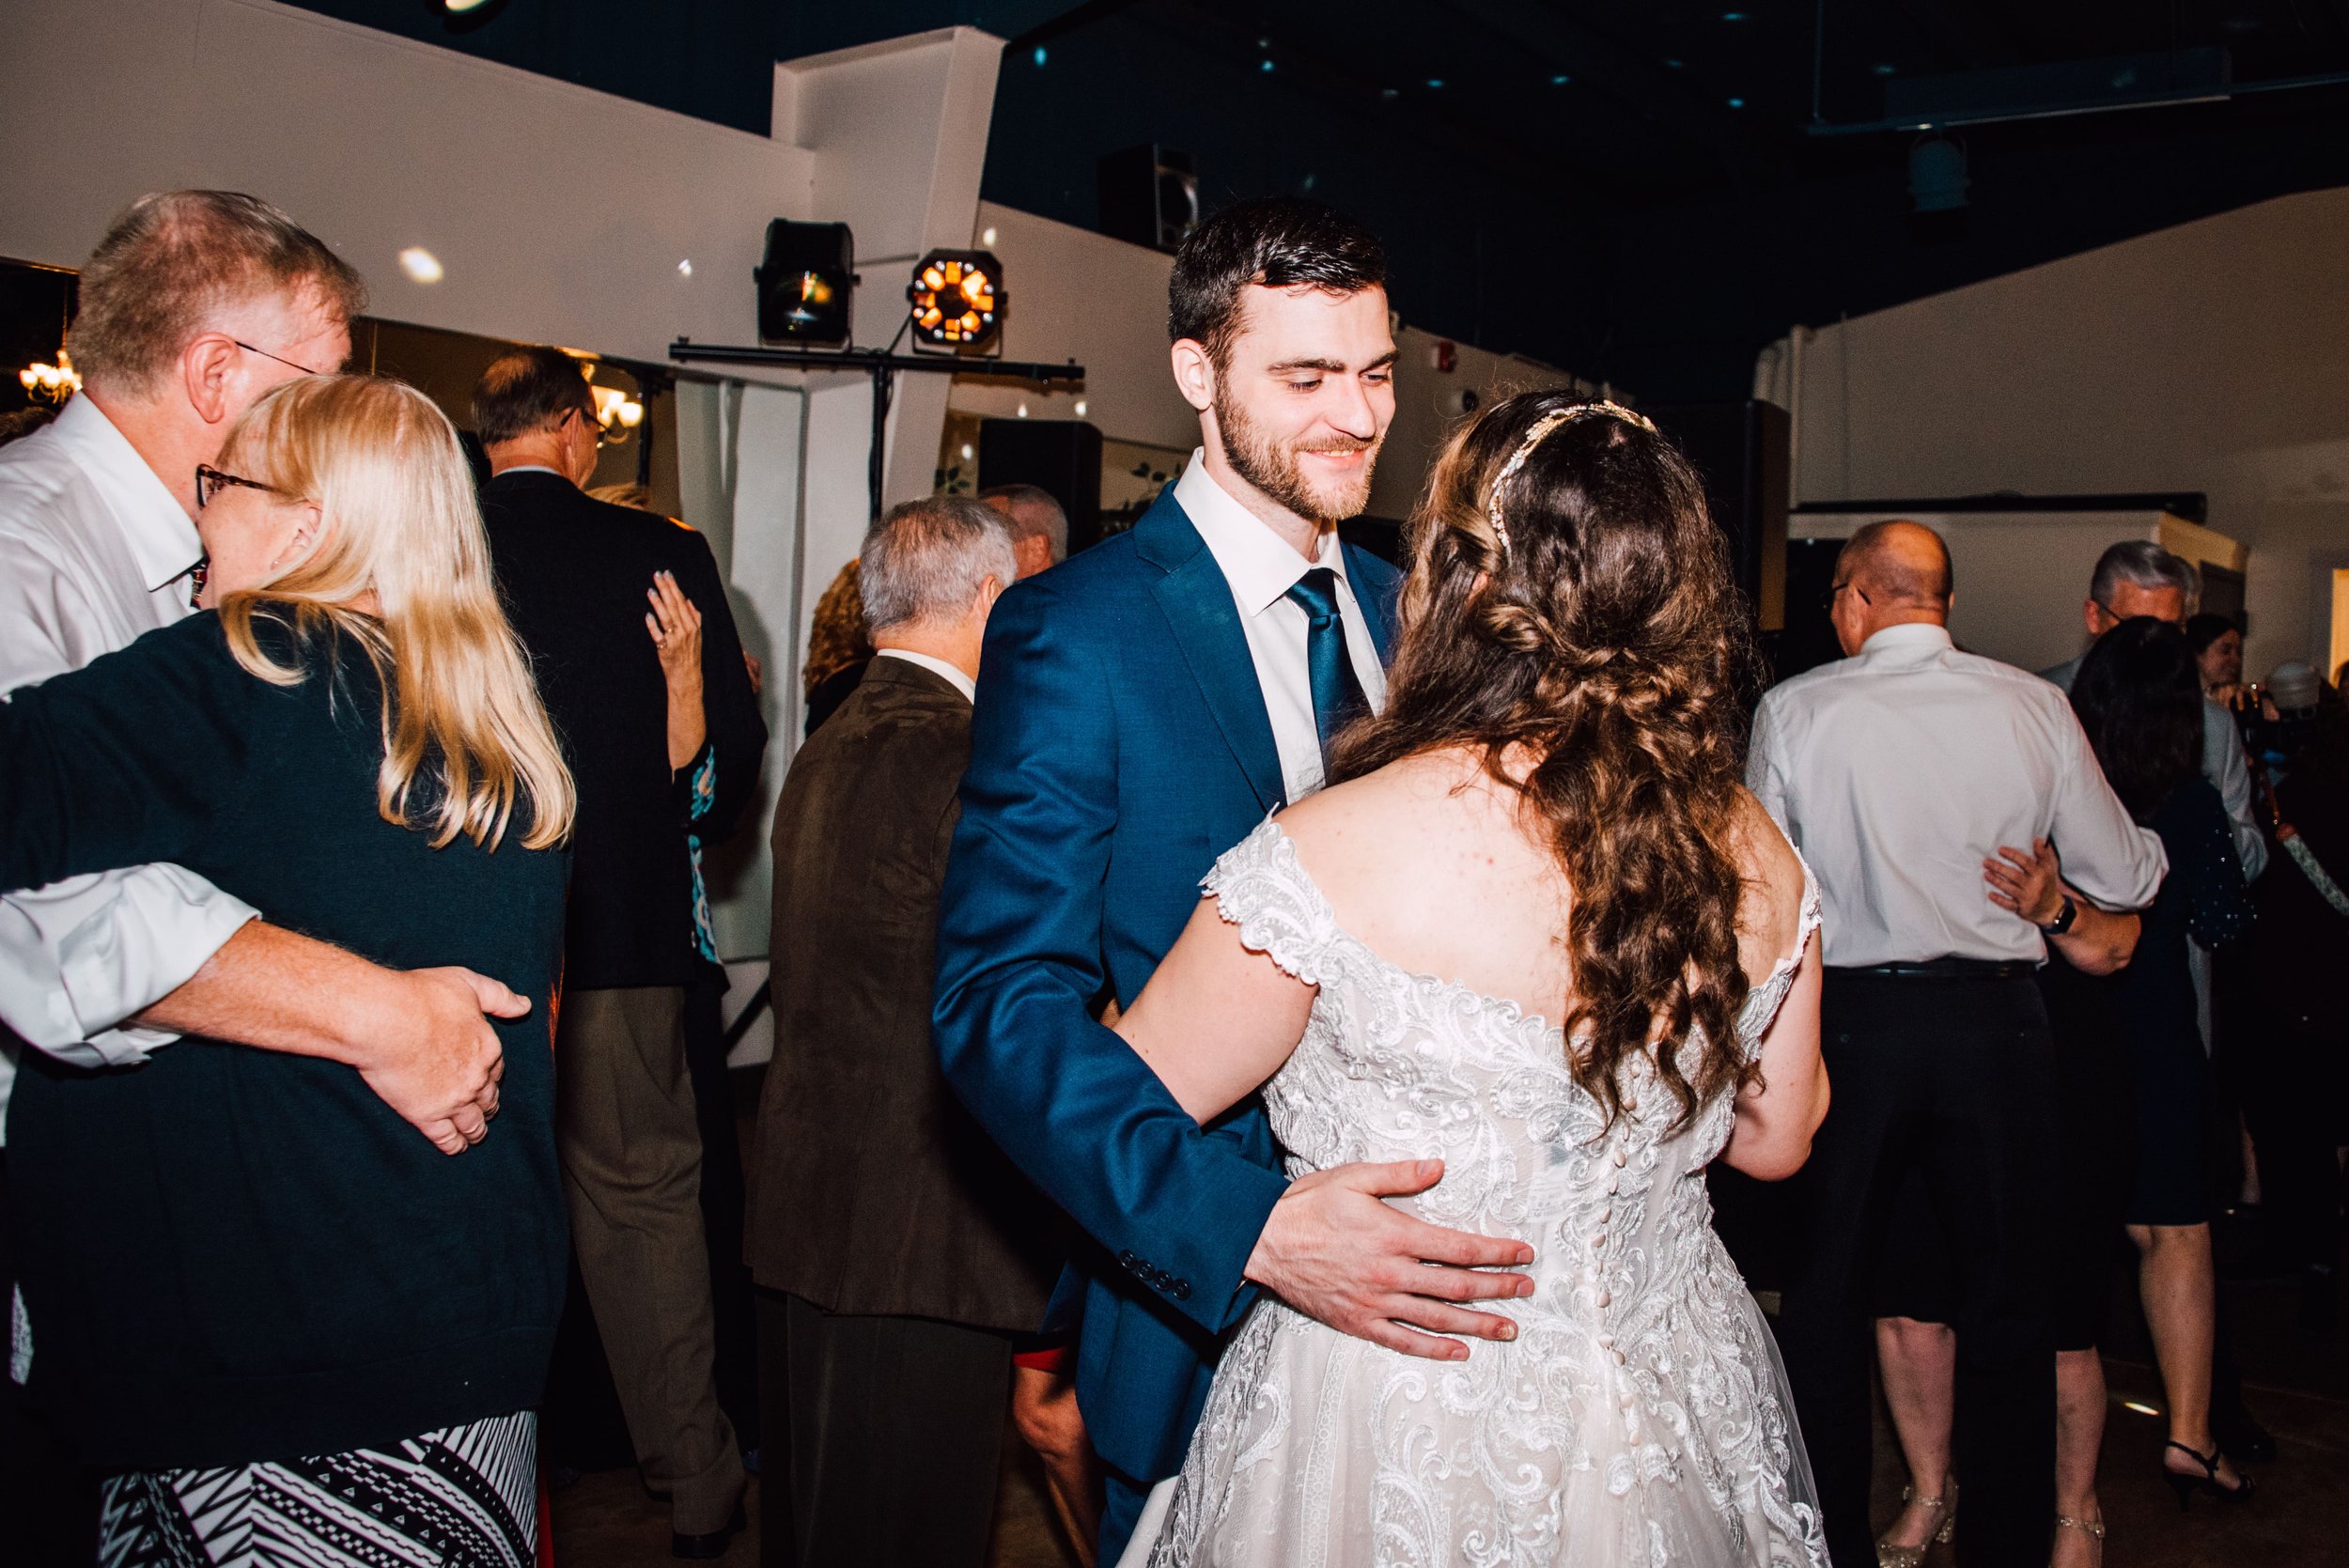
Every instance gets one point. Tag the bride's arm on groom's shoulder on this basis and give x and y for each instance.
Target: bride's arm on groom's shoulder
(1778, 1112)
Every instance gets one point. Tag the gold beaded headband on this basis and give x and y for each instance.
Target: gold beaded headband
(1541, 427)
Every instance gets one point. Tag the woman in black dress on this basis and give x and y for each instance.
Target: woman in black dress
(2139, 695)
(284, 1325)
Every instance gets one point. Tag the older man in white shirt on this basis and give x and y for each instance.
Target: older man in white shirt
(194, 304)
(1898, 771)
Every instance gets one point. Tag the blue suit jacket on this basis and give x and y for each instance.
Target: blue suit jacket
(1119, 745)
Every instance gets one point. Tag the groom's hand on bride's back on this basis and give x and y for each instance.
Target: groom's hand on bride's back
(1336, 1251)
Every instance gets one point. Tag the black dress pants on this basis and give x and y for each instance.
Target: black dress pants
(882, 1438)
(1953, 1078)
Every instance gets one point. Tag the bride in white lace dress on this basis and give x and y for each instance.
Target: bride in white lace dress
(1548, 817)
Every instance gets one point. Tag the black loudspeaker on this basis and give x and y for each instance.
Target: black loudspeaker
(805, 282)
(1740, 451)
(1150, 197)
(1061, 455)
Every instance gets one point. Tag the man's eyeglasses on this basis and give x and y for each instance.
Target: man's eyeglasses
(279, 358)
(210, 481)
(1837, 592)
(594, 426)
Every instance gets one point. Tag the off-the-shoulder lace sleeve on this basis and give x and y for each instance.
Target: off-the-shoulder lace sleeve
(1763, 1000)
(1259, 887)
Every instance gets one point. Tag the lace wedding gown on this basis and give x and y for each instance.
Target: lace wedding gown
(1640, 1416)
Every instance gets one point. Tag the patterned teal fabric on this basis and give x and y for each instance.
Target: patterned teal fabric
(703, 794)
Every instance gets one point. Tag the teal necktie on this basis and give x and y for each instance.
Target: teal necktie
(1337, 696)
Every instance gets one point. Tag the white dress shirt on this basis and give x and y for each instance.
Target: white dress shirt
(938, 667)
(1899, 771)
(2223, 765)
(1261, 568)
(95, 552)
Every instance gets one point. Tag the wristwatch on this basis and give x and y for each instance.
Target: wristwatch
(2064, 917)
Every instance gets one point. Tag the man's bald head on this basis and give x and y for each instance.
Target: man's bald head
(1898, 565)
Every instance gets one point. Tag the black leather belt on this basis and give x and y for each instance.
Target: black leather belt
(1944, 969)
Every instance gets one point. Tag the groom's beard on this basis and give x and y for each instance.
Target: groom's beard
(1258, 458)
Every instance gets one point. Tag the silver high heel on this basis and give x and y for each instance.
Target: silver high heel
(1891, 1556)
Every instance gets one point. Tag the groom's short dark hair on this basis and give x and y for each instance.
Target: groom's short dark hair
(1275, 241)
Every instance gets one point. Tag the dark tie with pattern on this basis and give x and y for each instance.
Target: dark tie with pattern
(1337, 696)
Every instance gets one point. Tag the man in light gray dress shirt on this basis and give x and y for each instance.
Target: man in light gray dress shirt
(194, 304)
(1898, 771)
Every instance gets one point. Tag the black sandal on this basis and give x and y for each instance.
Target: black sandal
(2187, 1485)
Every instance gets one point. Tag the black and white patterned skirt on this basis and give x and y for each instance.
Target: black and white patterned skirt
(465, 1497)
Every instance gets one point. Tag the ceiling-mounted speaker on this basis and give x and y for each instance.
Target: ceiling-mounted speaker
(1150, 197)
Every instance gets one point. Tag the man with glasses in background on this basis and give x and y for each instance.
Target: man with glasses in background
(2137, 577)
(1898, 771)
(194, 304)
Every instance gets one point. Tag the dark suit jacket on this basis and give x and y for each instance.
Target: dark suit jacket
(1121, 744)
(875, 1192)
(574, 571)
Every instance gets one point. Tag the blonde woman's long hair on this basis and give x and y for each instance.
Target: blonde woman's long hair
(461, 711)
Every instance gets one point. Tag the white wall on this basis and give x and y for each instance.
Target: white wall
(1075, 294)
(2213, 357)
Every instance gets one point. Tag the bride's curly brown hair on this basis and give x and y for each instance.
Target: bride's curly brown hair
(1606, 640)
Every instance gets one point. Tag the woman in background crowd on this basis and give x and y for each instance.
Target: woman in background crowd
(264, 1306)
(838, 649)
(2138, 696)
(2216, 643)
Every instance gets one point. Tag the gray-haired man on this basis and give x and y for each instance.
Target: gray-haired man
(2137, 577)
(897, 1252)
(1039, 526)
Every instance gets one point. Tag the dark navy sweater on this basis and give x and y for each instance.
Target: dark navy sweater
(231, 1256)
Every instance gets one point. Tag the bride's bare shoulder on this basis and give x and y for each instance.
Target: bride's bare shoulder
(1423, 819)
(1773, 878)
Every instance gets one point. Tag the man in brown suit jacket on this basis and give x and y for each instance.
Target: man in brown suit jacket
(897, 1251)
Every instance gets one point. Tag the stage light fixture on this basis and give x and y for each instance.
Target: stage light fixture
(956, 298)
(806, 283)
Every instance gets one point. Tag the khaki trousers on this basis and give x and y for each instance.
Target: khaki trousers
(631, 1172)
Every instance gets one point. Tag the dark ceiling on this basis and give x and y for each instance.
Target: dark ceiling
(1646, 192)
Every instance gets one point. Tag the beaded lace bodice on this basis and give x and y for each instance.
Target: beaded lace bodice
(1642, 1375)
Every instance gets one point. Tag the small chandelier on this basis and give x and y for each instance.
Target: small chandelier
(51, 383)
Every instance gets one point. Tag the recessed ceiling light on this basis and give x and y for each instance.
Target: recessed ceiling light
(1039, 57)
(1559, 79)
(421, 265)
(1080, 407)
(1736, 102)
(459, 7)
(1266, 65)
(685, 268)
(1733, 16)
(1671, 65)
(1389, 94)
(1434, 81)
(986, 237)
(1884, 67)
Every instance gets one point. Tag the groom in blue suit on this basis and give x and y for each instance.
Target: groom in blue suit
(1141, 709)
